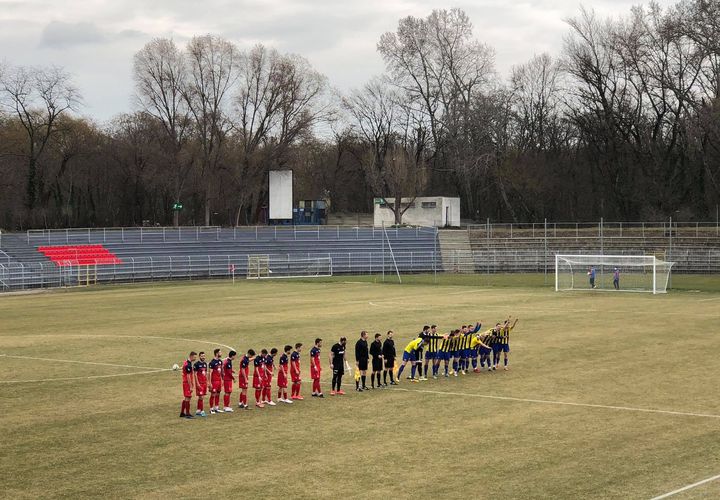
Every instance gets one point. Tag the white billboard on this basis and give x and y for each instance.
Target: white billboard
(281, 194)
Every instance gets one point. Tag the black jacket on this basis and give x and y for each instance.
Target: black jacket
(376, 349)
(361, 350)
(388, 349)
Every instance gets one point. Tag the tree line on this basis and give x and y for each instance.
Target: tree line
(623, 124)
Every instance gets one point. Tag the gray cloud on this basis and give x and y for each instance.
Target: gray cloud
(96, 40)
(59, 35)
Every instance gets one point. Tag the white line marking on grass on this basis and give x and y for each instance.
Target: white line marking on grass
(157, 370)
(708, 300)
(566, 403)
(688, 487)
(80, 362)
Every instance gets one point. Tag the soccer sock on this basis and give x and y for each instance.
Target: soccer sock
(378, 375)
(200, 404)
(357, 383)
(258, 392)
(339, 381)
(280, 396)
(385, 376)
(419, 370)
(392, 375)
(474, 363)
(455, 365)
(182, 408)
(226, 399)
(505, 361)
(372, 380)
(412, 371)
(427, 371)
(364, 379)
(446, 368)
(402, 367)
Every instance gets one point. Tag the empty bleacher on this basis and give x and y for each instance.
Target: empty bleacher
(122, 254)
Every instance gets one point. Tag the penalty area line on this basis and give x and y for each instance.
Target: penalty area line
(566, 403)
(685, 488)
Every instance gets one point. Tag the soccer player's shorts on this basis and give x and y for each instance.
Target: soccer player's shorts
(296, 380)
(338, 370)
(242, 382)
(282, 380)
(497, 347)
(201, 390)
(362, 364)
(389, 363)
(408, 356)
(443, 355)
(505, 347)
(228, 386)
(454, 354)
(484, 350)
(418, 355)
(267, 381)
(377, 364)
(216, 386)
(187, 392)
(258, 382)
(430, 355)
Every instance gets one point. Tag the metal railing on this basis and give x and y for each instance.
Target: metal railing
(598, 229)
(19, 276)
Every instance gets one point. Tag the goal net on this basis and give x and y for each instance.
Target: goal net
(629, 273)
(269, 267)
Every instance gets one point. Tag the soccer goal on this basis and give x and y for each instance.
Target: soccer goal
(270, 267)
(628, 273)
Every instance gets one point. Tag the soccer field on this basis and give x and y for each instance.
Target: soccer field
(609, 395)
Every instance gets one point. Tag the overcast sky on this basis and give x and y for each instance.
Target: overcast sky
(95, 39)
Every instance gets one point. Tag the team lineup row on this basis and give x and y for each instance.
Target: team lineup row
(460, 349)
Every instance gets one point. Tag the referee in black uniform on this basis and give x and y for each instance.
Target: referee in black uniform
(389, 356)
(376, 351)
(361, 360)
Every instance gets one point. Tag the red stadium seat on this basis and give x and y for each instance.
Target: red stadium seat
(79, 255)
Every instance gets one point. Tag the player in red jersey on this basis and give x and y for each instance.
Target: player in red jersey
(216, 379)
(259, 377)
(228, 380)
(244, 377)
(201, 383)
(315, 369)
(267, 381)
(188, 383)
(282, 378)
(295, 372)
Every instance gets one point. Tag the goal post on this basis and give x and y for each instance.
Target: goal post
(274, 267)
(628, 273)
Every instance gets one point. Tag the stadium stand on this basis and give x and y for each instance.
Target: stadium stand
(121, 254)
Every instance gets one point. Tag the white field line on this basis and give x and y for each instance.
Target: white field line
(566, 403)
(708, 300)
(130, 337)
(158, 370)
(80, 362)
(145, 369)
(688, 487)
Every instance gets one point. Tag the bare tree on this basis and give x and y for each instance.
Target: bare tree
(213, 70)
(160, 74)
(278, 100)
(394, 162)
(37, 97)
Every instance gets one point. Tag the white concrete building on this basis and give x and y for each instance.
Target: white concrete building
(437, 211)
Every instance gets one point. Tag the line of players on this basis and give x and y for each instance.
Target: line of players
(463, 346)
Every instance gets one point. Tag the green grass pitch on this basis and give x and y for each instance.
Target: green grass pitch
(489, 435)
